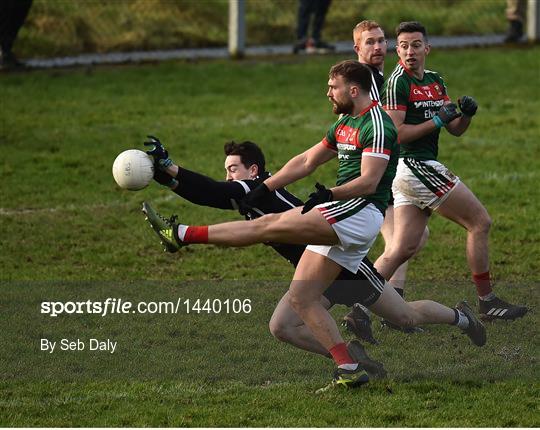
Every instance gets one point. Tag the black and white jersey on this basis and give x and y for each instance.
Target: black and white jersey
(377, 81)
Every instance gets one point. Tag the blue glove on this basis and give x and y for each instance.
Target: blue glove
(446, 114)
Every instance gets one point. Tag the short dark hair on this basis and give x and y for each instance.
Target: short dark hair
(249, 153)
(411, 27)
(352, 71)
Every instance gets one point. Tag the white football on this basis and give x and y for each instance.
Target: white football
(133, 169)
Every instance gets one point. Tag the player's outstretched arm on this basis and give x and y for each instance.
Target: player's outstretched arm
(204, 191)
(300, 166)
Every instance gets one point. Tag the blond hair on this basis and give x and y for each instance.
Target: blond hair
(363, 26)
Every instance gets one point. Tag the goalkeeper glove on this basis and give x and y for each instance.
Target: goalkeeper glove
(446, 114)
(158, 152)
(468, 106)
(322, 195)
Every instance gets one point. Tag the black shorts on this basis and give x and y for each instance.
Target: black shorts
(364, 287)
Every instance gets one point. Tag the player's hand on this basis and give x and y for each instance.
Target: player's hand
(446, 114)
(158, 151)
(322, 195)
(254, 198)
(468, 105)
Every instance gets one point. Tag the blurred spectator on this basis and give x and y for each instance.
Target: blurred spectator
(515, 14)
(12, 16)
(307, 9)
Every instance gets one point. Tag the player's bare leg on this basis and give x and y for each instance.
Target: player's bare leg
(286, 227)
(287, 326)
(393, 308)
(409, 225)
(465, 209)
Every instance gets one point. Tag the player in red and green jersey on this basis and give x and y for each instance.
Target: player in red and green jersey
(417, 101)
(341, 223)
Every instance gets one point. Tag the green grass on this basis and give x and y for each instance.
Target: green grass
(69, 233)
(60, 27)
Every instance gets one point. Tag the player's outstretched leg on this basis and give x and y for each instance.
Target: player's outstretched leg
(163, 227)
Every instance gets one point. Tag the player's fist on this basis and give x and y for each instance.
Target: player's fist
(322, 195)
(468, 105)
(158, 151)
(447, 113)
(254, 198)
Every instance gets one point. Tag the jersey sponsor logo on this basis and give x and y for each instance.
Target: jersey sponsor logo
(346, 147)
(425, 92)
(346, 135)
(428, 104)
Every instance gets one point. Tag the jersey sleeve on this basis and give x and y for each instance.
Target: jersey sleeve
(204, 191)
(329, 141)
(378, 139)
(395, 95)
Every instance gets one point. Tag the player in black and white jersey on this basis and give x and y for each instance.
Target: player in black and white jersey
(243, 164)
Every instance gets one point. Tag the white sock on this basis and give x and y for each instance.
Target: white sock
(182, 231)
(348, 366)
(463, 321)
(487, 297)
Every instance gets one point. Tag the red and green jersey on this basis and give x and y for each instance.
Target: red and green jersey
(370, 134)
(421, 99)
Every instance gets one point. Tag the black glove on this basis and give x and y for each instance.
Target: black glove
(162, 177)
(468, 105)
(254, 198)
(160, 154)
(446, 114)
(322, 195)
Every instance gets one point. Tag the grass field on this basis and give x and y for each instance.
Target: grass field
(68, 233)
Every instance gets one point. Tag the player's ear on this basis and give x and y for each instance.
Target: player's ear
(253, 171)
(428, 48)
(356, 48)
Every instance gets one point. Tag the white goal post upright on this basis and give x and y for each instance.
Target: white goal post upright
(237, 28)
(533, 21)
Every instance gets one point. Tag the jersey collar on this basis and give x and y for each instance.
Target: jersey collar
(371, 106)
(408, 71)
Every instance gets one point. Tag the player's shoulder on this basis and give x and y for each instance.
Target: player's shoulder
(433, 75)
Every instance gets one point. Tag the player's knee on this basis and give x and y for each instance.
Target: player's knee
(279, 330)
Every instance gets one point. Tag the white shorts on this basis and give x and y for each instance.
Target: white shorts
(357, 224)
(424, 184)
